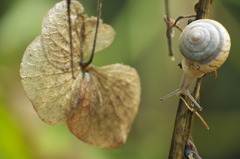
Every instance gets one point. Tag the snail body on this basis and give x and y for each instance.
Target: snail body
(205, 45)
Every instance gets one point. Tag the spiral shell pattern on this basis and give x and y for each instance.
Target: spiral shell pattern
(205, 44)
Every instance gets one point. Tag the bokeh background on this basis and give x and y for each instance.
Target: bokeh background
(140, 42)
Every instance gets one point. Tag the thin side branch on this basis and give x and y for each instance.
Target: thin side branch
(169, 31)
(70, 33)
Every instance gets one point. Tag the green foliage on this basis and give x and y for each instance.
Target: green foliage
(12, 143)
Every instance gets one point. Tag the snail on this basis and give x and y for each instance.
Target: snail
(205, 45)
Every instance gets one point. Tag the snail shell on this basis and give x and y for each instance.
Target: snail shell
(205, 44)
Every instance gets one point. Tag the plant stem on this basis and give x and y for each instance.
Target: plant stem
(203, 8)
(181, 134)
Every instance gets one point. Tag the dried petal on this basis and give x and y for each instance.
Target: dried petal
(55, 34)
(110, 97)
(51, 91)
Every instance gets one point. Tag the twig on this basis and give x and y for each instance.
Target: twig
(169, 31)
(184, 117)
(70, 34)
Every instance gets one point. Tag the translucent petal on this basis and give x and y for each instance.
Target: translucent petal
(105, 36)
(51, 90)
(55, 34)
(110, 97)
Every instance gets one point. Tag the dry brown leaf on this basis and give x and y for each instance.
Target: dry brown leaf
(99, 104)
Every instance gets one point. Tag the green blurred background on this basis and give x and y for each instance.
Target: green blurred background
(140, 42)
